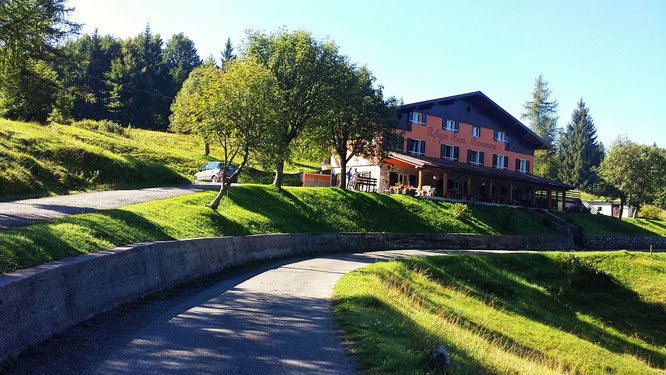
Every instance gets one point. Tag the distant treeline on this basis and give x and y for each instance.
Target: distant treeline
(130, 81)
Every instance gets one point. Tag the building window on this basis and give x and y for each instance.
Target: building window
(476, 131)
(415, 146)
(523, 166)
(475, 157)
(450, 152)
(417, 118)
(396, 142)
(500, 161)
(450, 125)
(500, 136)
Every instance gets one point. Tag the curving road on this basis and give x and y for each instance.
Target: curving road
(25, 211)
(268, 319)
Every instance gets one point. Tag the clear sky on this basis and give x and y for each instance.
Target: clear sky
(610, 53)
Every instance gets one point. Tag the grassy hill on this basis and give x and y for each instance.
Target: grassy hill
(602, 224)
(549, 313)
(250, 209)
(38, 160)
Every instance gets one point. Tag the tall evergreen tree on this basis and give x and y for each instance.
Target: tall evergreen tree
(228, 53)
(180, 57)
(541, 112)
(541, 115)
(580, 153)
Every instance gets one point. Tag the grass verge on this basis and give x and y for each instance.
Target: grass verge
(552, 313)
(602, 224)
(250, 209)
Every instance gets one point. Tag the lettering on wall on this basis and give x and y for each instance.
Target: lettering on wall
(436, 135)
(483, 144)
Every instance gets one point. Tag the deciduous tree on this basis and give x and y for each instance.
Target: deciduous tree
(235, 106)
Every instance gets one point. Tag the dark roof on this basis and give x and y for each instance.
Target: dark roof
(481, 99)
(424, 161)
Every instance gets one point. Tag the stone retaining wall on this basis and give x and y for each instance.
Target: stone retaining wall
(599, 242)
(39, 302)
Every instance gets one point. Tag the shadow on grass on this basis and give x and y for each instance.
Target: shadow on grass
(496, 278)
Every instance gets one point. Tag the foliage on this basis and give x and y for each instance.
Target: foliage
(180, 57)
(579, 151)
(546, 163)
(228, 53)
(541, 112)
(234, 106)
(249, 209)
(357, 121)
(651, 212)
(302, 67)
(102, 125)
(637, 172)
(460, 211)
(541, 313)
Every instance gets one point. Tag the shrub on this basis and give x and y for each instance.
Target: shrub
(107, 126)
(650, 212)
(460, 211)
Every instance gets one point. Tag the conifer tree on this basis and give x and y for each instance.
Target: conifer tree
(541, 114)
(228, 53)
(580, 153)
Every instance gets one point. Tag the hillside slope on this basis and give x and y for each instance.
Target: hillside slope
(251, 209)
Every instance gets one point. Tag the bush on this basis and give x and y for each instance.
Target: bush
(650, 212)
(107, 126)
(460, 211)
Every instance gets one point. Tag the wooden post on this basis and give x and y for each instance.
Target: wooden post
(550, 200)
(420, 179)
(445, 183)
(490, 190)
(533, 197)
(510, 193)
(469, 187)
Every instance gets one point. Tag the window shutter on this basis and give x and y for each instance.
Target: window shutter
(411, 116)
(422, 150)
(469, 156)
(517, 164)
(457, 126)
(456, 152)
(494, 160)
(423, 117)
(495, 134)
(527, 165)
(481, 160)
(506, 162)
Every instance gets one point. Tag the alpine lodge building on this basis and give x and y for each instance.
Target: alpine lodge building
(463, 147)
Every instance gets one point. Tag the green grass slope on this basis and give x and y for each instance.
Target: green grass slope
(250, 209)
(548, 313)
(38, 160)
(602, 224)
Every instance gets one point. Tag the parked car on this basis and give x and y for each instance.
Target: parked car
(212, 171)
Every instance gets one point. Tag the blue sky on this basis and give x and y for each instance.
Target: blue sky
(610, 53)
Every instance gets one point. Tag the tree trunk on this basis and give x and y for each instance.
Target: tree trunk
(206, 148)
(635, 214)
(224, 186)
(279, 171)
(622, 200)
(343, 174)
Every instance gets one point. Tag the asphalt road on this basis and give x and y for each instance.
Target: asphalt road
(25, 211)
(268, 319)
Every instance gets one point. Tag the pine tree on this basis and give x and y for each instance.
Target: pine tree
(228, 53)
(180, 57)
(580, 153)
(541, 114)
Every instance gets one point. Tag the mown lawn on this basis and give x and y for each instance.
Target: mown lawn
(537, 313)
(602, 224)
(39, 160)
(251, 209)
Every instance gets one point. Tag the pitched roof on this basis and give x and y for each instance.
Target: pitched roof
(424, 161)
(482, 100)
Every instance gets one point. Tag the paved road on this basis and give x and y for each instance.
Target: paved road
(25, 211)
(267, 319)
